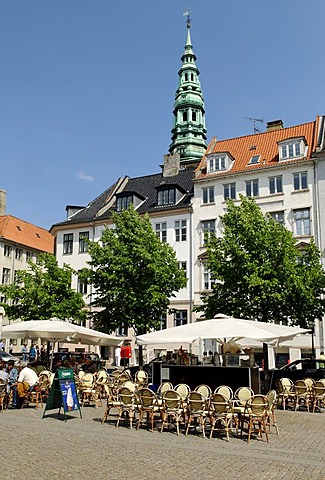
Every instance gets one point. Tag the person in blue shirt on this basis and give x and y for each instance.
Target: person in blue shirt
(12, 379)
(32, 353)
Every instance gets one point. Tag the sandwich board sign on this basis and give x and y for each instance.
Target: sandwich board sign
(63, 393)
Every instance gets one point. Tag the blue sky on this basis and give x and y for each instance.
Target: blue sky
(87, 86)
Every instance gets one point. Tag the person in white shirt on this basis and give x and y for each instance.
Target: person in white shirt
(26, 382)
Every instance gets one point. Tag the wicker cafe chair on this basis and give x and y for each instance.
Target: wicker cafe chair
(242, 394)
(271, 420)
(3, 394)
(183, 390)
(163, 387)
(141, 378)
(172, 408)
(318, 395)
(111, 403)
(285, 391)
(149, 405)
(225, 390)
(33, 396)
(44, 385)
(220, 414)
(197, 411)
(127, 404)
(205, 390)
(302, 394)
(255, 415)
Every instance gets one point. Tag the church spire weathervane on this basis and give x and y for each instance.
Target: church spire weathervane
(188, 132)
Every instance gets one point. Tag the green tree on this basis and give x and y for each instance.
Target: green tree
(134, 274)
(43, 291)
(259, 272)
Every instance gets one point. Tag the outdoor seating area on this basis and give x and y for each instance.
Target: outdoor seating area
(182, 410)
(307, 394)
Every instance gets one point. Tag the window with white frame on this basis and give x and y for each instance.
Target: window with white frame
(67, 243)
(229, 191)
(207, 280)
(252, 188)
(6, 276)
(161, 231)
(122, 329)
(180, 230)
(18, 254)
(216, 164)
(166, 196)
(7, 250)
(29, 255)
(180, 318)
(208, 195)
(82, 286)
(208, 228)
(291, 149)
(300, 181)
(123, 202)
(302, 221)
(278, 217)
(182, 266)
(83, 245)
(162, 322)
(254, 159)
(275, 184)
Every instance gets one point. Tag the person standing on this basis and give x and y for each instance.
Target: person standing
(117, 356)
(24, 353)
(32, 353)
(11, 348)
(13, 375)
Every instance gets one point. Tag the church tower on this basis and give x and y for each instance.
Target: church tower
(188, 132)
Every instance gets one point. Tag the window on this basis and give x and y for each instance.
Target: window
(292, 149)
(82, 286)
(122, 329)
(300, 181)
(123, 203)
(208, 229)
(7, 250)
(254, 160)
(217, 163)
(180, 318)
(161, 231)
(194, 116)
(180, 230)
(208, 195)
(29, 255)
(18, 254)
(252, 188)
(302, 221)
(6, 276)
(184, 116)
(166, 197)
(278, 217)
(67, 243)
(207, 280)
(275, 184)
(163, 322)
(182, 266)
(83, 245)
(229, 191)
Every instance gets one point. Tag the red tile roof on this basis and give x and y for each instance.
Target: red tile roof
(24, 233)
(266, 145)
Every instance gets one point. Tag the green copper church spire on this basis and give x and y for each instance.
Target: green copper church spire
(189, 132)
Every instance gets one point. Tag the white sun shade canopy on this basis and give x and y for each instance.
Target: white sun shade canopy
(222, 328)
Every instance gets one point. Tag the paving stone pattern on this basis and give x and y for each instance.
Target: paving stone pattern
(83, 448)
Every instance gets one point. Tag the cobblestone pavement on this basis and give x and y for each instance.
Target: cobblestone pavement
(83, 448)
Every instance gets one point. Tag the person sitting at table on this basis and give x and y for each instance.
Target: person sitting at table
(89, 366)
(26, 382)
(12, 379)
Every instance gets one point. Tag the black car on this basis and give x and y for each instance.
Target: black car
(300, 369)
(5, 357)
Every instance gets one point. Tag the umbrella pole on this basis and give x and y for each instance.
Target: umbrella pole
(51, 363)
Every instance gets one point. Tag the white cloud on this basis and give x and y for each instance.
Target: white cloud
(83, 176)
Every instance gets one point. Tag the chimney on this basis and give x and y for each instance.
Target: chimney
(274, 125)
(171, 164)
(3, 202)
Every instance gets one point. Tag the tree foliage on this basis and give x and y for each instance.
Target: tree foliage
(43, 291)
(134, 274)
(260, 273)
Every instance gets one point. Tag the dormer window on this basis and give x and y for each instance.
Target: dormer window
(216, 164)
(291, 149)
(123, 202)
(166, 196)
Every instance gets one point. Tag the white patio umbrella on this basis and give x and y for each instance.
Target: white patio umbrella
(55, 330)
(222, 328)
